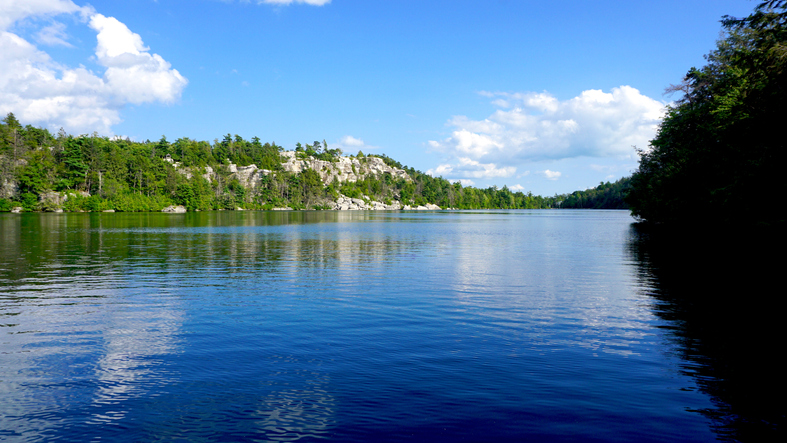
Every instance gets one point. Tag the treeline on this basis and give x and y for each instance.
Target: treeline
(94, 173)
(604, 196)
(719, 153)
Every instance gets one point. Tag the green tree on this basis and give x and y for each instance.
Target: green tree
(718, 152)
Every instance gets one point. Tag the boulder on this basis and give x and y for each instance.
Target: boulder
(179, 209)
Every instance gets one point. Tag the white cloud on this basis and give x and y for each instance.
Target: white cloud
(517, 188)
(540, 127)
(53, 35)
(43, 92)
(14, 10)
(350, 141)
(133, 74)
(551, 175)
(469, 168)
(351, 145)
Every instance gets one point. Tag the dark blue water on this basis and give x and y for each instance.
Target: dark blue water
(284, 326)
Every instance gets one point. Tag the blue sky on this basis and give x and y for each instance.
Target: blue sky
(546, 97)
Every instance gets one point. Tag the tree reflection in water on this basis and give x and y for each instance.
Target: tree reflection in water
(717, 293)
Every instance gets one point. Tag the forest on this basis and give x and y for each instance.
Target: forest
(40, 171)
(717, 155)
(604, 196)
(719, 152)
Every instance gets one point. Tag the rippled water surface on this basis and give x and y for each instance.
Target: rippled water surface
(279, 326)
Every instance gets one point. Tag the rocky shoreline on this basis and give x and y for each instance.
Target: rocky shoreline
(343, 203)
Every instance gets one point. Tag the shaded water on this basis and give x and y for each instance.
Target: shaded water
(353, 326)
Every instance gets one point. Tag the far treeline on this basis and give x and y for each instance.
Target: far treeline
(719, 154)
(97, 173)
(604, 196)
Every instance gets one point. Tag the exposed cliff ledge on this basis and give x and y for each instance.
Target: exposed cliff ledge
(344, 169)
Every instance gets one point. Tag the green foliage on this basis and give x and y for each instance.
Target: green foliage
(97, 173)
(604, 196)
(719, 151)
(28, 201)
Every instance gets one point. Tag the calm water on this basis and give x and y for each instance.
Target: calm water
(358, 326)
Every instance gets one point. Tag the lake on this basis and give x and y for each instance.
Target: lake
(540, 325)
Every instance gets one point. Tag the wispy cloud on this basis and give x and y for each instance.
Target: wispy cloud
(53, 35)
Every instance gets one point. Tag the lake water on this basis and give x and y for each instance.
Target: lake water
(368, 326)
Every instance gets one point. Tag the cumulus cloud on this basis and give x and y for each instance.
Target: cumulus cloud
(133, 74)
(551, 175)
(537, 126)
(41, 91)
(469, 168)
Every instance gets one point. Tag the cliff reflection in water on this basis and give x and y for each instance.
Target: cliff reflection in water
(717, 293)
(100, 312)
(486, 325)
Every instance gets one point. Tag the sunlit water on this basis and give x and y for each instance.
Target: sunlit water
(351, 326)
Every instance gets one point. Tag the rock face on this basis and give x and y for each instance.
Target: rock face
(8, 189)
(56, 199)
(179, 209)
(428, 207)
(346, 169)
(344, 203)
(248, 176)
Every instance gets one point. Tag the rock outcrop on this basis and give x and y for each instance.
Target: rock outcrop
(345, 169)
(54, 199)
(344, 203)
(179, 209)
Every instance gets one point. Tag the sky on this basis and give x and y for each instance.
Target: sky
(542, 97)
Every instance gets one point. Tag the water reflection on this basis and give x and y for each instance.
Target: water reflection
(279, 326)
(716, 293)
(94, 309)
(294, 414)
(567, 274)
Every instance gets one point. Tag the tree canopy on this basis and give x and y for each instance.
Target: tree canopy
(94, 173)
(720, 149)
